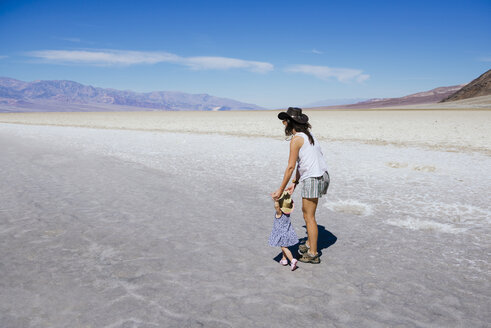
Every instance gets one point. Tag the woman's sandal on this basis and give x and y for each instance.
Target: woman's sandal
(303, 248)
(309, 258)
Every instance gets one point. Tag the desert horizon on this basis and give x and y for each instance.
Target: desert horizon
(68, 96)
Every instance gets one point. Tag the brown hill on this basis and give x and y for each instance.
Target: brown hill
(430, 96)
(476, 88)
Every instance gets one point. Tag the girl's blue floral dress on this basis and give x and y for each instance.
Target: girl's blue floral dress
(283, 234)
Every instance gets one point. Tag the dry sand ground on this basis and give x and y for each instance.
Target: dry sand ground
(440, 129)
(135, 228)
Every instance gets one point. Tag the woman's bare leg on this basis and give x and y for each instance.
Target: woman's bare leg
(309, 206)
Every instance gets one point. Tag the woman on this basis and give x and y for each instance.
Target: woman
(311, 173)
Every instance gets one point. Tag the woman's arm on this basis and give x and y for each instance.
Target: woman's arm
(291, 187)
(295, 146)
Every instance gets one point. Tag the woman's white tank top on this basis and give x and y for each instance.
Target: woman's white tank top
(311, 162)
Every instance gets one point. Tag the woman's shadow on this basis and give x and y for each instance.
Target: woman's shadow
(325, 240)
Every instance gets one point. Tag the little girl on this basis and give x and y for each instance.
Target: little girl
(283, 234)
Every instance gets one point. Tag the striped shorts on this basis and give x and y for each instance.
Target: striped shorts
(315, 187)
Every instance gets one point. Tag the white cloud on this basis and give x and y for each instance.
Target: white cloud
(226, 63)
(313, 51)
(125, 57)
(327, 73)
(362, 77)
(103, 57)
(3, 57)
(71, 39)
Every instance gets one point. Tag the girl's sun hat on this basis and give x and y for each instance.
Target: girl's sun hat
(286, 203)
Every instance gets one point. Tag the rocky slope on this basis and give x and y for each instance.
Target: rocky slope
(476, 88)
(431, 96)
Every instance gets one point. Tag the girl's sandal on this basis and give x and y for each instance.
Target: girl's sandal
(294, 264)
(284, 262)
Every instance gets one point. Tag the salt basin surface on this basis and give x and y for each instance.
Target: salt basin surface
(126, 228)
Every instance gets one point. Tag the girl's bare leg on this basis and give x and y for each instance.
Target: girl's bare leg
(287, 253)
(309, 206)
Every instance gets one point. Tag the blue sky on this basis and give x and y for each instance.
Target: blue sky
(271, 53)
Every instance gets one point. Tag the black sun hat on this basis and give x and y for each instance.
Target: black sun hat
(295, 114)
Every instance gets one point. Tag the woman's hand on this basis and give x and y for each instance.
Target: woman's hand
(277, 194)
(291, 188)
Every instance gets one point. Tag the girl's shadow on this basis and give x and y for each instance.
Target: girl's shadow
(324, 240)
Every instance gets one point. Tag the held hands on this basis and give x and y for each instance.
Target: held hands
(291, 188)
(277, 194)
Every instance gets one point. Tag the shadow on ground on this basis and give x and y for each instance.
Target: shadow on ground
(325, 240)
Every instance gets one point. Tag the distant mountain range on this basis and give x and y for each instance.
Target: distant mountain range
(69, 96)
(20, 96)
(476, 88)
(334, 102)
(431, 96)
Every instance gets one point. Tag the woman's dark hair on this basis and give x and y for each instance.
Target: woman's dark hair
(291, 124)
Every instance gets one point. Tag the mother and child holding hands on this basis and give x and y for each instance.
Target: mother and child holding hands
(314, 180)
